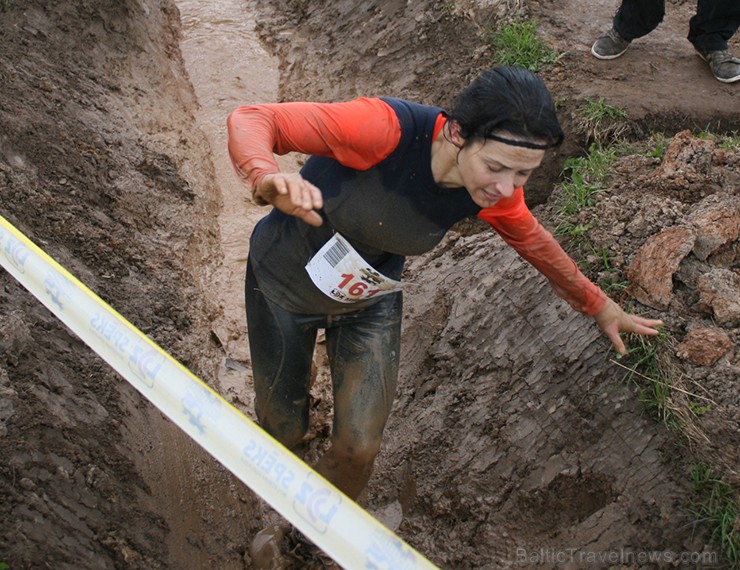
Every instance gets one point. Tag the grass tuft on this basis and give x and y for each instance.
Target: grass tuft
(727, 141)
(517, 44)
(662, 388)
(601, 122)
(644, 371)
(716, 507)
(657, 146)
(586, 176)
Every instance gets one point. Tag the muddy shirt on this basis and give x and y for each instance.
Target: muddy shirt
(371, 158)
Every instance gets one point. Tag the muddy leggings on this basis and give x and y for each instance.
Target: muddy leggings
(714, 23)
(363, 349)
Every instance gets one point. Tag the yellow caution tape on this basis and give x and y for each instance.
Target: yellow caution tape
(347, 533)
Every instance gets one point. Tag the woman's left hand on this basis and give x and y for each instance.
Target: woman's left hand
(612, 320)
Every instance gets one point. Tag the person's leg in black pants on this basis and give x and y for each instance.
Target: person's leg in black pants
(633, 19)
(637, 18)
(715, 22)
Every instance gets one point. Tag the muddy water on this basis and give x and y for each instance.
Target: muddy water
(228, 67)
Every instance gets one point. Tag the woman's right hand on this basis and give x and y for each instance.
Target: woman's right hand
(293, 195)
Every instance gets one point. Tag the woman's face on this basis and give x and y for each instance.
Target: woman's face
(491, 170)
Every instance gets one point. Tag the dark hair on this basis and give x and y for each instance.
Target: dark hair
(508, 100)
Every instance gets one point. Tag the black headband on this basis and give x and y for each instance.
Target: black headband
(525, 144)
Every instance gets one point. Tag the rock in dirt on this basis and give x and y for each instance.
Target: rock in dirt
(716, 221)
(688, 159)
(719, 292)
(704, 346)
(651, 271)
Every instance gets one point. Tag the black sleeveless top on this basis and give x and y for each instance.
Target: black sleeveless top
(392, 210)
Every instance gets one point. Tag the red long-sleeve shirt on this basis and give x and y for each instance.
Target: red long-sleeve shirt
(362, 133)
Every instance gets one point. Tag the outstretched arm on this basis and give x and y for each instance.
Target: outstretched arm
(519, 228)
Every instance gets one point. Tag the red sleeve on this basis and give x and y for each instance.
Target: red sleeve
(358, 134)
(514, 222)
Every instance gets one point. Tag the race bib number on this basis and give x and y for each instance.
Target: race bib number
(341, 273)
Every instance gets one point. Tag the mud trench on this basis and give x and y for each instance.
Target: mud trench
(514, 441)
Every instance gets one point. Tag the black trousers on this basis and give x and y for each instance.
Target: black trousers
(714, 23)
(364, 353)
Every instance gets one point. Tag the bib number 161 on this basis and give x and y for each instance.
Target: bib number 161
(355, 287)
(342, 274)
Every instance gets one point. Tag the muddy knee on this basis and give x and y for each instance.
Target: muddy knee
(288, 431)
(360, 453)
(348, 466)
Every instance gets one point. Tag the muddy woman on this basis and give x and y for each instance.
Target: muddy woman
(385, 179)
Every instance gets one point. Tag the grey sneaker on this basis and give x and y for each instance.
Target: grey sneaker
(725, 68)
(609, 46)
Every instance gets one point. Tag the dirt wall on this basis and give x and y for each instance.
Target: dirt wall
(101, 166)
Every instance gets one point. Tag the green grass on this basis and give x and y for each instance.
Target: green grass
(600, 121)
(517, 44)
(660, 385)
(657, 146)
(730, 141)
(643, 370)
(578, 233)
(586, 176)
(599, 261)
(716, 507)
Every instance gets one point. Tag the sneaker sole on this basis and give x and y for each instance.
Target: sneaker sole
(607, 57)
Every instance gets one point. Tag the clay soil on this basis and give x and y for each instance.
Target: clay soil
(517, 439)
